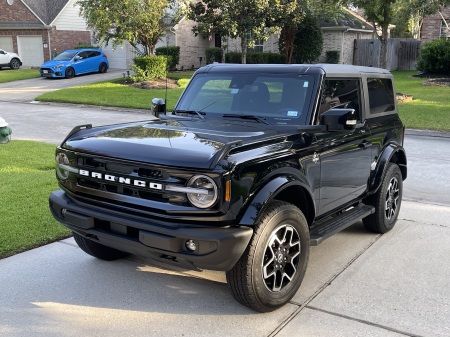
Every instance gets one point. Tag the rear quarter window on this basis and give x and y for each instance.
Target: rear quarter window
(381, 95)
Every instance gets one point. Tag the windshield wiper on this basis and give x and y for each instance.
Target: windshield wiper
(256, 118)
(191, 112)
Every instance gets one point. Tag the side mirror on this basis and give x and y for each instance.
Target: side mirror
(158, 107)
(339, 119)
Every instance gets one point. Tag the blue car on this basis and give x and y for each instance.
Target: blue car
(75, 62)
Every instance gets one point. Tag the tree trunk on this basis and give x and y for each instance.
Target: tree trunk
(244, 49)
(383, 49)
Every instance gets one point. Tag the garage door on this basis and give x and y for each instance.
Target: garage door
(6, 43)
(30, 50)
(120, 57)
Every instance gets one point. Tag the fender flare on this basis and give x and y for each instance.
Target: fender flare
(392, 153)
(267, 193)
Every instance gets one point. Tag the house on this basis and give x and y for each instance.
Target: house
(338, 35)
(36, 29)
(434, 27)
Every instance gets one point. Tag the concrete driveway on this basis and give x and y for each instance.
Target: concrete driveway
(28, 90)
(357, 283)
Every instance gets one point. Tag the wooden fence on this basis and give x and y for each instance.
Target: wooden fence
(401, 53)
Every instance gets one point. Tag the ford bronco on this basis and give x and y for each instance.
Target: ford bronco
(255, 164)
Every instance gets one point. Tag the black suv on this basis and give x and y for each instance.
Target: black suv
(255, 164)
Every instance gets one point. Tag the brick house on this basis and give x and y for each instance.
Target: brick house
(434, 27)
(35, 29)
(338, 36)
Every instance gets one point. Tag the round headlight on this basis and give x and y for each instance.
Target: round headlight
(206, 194)
(61, 164)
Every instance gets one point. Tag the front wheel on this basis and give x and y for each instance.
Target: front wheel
(386, 201)
(98, 250)
(70, 72)
(272, 268)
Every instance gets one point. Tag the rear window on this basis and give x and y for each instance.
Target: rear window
(381, 95)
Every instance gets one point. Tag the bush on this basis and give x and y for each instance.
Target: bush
(172, 53)
(434, 57)
(84, 45)
(256, 58)
(332, 56)
(213, 55)
(149, 67)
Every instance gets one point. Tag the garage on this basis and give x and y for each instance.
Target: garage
(30, 50)
(120, 57)
(6, 43)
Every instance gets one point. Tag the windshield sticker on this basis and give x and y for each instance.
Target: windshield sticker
(305, 85)
(292, 113)
(234, 91)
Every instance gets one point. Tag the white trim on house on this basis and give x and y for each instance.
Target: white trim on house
(69, 18)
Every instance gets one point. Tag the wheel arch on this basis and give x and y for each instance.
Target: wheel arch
(392, 153)
(280, 188)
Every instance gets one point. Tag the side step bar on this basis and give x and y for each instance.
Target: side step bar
(326, 229)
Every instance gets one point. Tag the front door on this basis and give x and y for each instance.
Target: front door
(344, 156)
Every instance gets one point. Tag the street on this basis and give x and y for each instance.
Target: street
(357, 283)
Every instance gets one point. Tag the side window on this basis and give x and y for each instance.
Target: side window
(83, 55)
(381, 95)
(342, 93)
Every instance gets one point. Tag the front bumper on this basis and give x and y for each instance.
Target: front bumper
(49, 72)
(217, 248)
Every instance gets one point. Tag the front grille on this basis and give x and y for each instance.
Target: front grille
(120, 178)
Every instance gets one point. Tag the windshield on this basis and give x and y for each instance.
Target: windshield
(65, 56)
(276, 98)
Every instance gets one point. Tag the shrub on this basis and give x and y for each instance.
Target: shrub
(172, 53)
(256, 58)
(83, 45)
(149, 67)
(332, 56)
(213, 55)
(434, 57)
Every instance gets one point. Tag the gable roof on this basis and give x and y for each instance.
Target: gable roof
(349, 20)
(46, 10)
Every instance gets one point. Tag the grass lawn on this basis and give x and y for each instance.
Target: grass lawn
(111, 93)
(9, 75)
(27, 178)
(430, 107)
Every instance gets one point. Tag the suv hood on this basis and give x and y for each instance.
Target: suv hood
(187, 143)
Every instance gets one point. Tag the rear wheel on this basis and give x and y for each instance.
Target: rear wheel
(70, 72)
(386, 201)
(103, 68)
(272, 268)
(98, 250)
(14, 64)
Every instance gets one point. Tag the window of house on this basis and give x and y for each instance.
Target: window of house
(217, 41)
(445, 32)
(258, 47)
(381, 95)
(341, 93)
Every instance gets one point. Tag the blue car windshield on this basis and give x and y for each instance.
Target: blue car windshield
(65, 56)
(274, 98)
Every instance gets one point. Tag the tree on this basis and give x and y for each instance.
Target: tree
(244, 19)
(308, 40)
(140, 22)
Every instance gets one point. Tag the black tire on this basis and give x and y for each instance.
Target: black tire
(70, 72)
(98, 250)
(387, 202)
(263, 278)
(14, 64)
(103, 68)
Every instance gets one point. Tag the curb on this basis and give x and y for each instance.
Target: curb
(427, 133)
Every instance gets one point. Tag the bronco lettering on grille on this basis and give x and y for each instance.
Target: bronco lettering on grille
(121, 180)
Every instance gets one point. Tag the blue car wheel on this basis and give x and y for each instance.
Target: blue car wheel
(70, 72)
